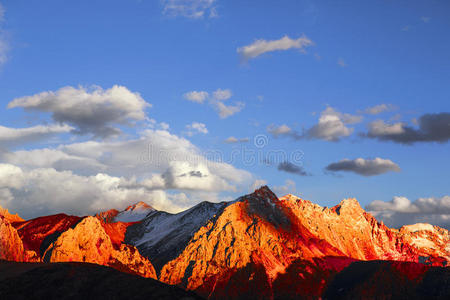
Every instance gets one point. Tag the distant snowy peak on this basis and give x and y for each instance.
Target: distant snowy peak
(134, 213)
(140, 206)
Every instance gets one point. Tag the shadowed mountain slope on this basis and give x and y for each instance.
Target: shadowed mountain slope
(80, 281)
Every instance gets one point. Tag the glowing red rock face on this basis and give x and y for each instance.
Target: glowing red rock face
(35, 231)
(116, 231)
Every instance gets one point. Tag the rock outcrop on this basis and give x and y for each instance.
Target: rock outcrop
(11, 247)
(10, 217)
(88, 242)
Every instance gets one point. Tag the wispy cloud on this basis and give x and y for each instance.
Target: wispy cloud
(216, 100)
(233, 140)
(291, 168)
(192, 9)
(4, 46)
(257, 184)
(2, 13)
(195, 128)
(196, 96)
(262, 46)
(289, 187)
(417, 23)
(377, 109)
(18, 136)
(341, 62)
(279, 130)
(425, 19)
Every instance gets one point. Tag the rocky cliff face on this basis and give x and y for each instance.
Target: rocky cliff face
(259, 237)
(11, 244)
(11, 247)
(88, 242)
(359, 235)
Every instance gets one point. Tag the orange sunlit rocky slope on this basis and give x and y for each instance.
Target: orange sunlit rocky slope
(272, 234)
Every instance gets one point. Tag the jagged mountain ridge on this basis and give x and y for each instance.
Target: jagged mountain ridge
(161, 236)
(258, 239)
(270, 234)
(359, 235)
(250, 231)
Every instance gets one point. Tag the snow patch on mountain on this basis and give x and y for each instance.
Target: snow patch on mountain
(134, 213)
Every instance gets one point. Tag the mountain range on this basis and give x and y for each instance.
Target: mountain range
(258, 246)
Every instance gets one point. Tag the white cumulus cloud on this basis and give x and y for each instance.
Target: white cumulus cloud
(46, 191)
(93, 110)
(332, 125)
(153, 167)
(402, 211)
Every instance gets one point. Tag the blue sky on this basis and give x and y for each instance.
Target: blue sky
(357, 55)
